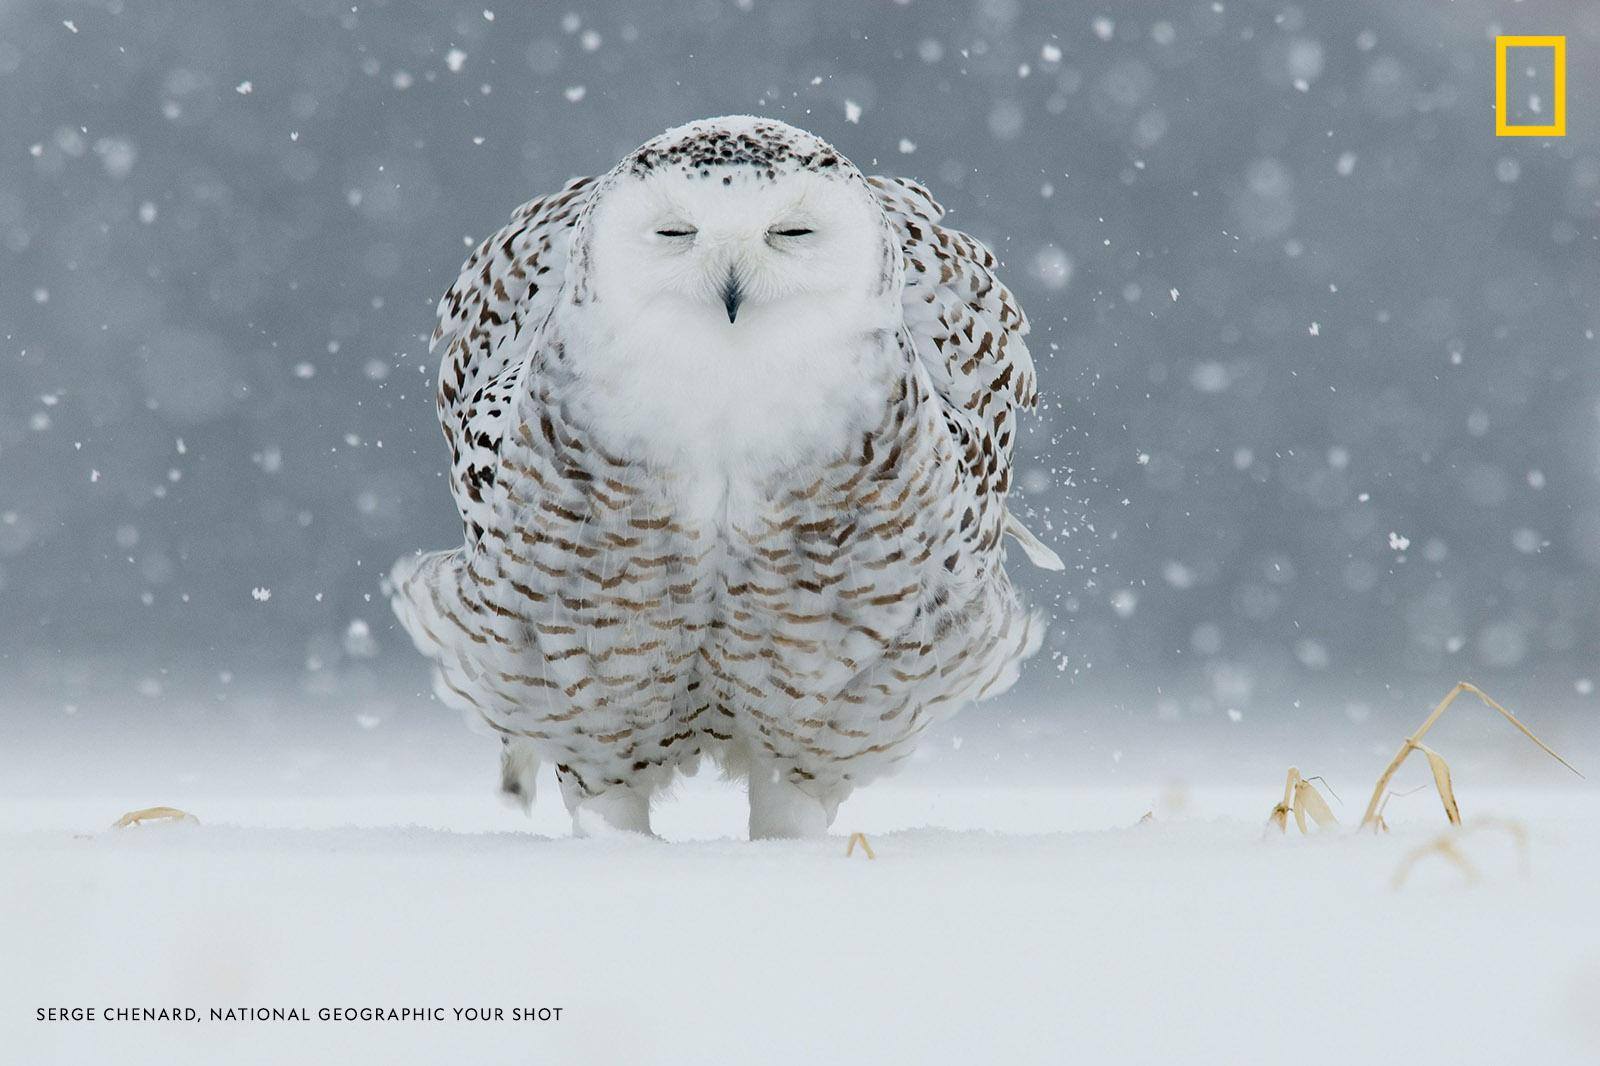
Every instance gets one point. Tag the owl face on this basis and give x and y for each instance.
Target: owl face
(735, 233)
(733, 291)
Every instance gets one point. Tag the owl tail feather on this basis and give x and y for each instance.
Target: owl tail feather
(1035, 549)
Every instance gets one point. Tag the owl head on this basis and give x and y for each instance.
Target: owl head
(736, 221)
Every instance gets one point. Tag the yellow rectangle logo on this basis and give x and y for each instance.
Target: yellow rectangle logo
(1503, 127)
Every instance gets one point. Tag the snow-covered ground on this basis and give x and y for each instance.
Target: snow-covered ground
(997, 924)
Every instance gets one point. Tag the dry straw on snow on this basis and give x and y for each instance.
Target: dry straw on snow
(1302, 799)
(154, 814)
(1446, 846)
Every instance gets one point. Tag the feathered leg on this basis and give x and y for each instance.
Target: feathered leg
(781, 809)
(618, 809)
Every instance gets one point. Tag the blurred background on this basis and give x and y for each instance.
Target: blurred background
(1322, 429)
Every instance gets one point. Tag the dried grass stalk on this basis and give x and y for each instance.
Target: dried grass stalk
(1307, 800)
(1280, 814)
(1383, 826)
(1441, 781)
(154, 814)
(1300, 798)
(859, 838)
(1441, 770)
(1447, 846)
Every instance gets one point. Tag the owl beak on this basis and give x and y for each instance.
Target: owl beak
(732, 294)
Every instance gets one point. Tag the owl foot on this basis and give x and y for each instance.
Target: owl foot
(779, 809)
(616, 810)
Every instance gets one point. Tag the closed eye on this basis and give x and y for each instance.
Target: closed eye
(674, 231)
(797, 231)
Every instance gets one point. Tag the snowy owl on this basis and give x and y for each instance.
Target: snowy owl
(731, 432)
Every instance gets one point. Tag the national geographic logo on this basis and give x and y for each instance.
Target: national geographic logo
(1557, 127)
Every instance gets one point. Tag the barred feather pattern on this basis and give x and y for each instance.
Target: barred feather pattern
(969, 331)
(509, 284)
(818, 628)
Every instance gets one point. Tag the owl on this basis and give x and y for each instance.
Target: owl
(731, 433)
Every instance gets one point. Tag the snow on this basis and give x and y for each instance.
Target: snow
(1013, 924)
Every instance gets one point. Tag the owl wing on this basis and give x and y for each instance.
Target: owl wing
(968, 331)
(507, 285)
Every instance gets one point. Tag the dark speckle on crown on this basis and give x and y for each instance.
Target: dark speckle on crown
(767, 148)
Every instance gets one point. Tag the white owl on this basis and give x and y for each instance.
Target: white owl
(731, 431)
